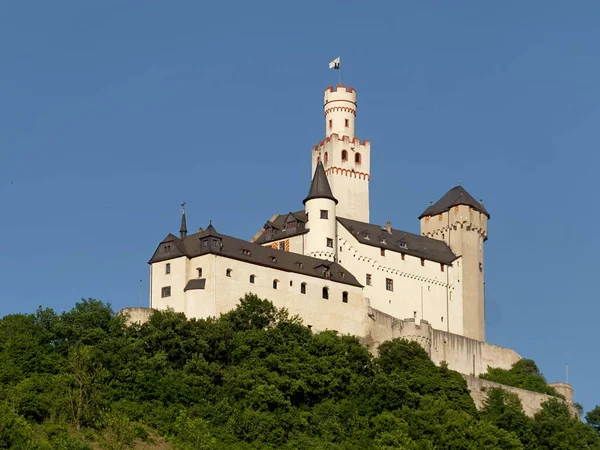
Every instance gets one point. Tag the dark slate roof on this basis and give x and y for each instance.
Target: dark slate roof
(319, 187)
(280, 231)
(183, 228)
(230, 247)
(399, 241)
(454, 197)
(195, 283)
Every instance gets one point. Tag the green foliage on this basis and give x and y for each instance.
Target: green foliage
(523, 374)
(593, 418)
(255, 378)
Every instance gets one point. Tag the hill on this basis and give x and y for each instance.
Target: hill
(255, 378)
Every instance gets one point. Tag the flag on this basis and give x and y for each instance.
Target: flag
(335, 64)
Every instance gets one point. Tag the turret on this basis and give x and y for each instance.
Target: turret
(320, 208)
(346, 160)
(461, 221)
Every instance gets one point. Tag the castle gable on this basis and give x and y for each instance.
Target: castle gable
(399, 241)
(280, 228)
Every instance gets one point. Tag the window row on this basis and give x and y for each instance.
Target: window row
(357, 157)
(346, 123)
(166, 290)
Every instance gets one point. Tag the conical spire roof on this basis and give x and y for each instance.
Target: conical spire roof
(319, 187)
(183, 228)
(454, 197)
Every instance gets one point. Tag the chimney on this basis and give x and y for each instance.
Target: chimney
(388, 227)
(200, 230)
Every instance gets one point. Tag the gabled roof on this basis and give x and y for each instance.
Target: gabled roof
(280, 231)
(210, 242)
(454, 197)
(319, 187)
(399, 241)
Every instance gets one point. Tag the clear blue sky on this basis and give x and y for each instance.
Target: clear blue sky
(112, 113)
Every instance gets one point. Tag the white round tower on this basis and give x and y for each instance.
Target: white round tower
(319, 206)
(339, 108)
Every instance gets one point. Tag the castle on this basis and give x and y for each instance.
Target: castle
(337, 271)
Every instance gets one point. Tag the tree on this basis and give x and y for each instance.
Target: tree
(593, 418)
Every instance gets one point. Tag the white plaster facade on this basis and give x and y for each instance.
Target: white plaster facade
(416, 293)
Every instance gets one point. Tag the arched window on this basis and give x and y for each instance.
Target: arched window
(252, 278)
(344, 155)
(275, 282)
(325, 293)
(344, 297)
(303, 288)
(325, 158)
(228, 273)
(357, 158)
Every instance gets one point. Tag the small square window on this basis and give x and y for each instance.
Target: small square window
(389, 284)
(168, 268)
(165, 291)
(228, 273)
(329, 242)
(324, 214)
(369, 280)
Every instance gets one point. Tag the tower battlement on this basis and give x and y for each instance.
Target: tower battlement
(344, 138)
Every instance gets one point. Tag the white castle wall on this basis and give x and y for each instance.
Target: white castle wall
(222, 293)
(465, 230)
(321, 229)
(441, 291)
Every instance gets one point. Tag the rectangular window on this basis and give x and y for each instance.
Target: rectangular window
(303, 288)
(329, 242)
(199, 269)
(422, 261)
(442, 267)
(168, 268)
(383, 252)
(282, 246)
(369, 280)
(403, 256)
(347, 122)
(389, 284)
(324, 214)
(330, 123)
(165, 292)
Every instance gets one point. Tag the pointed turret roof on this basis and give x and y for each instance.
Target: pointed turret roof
(183, 228)
(319, 187)
(454, 197)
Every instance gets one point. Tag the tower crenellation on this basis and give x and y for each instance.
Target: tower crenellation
(347, 160)
(462, 223)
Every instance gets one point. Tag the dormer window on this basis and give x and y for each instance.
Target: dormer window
(282, 246)
(268, 231)
(402, 244)
(215, 242)
(246, 252)
(383, 241)
(367, 236)
(299, 265)
(273, 259)
(291, 224)
(205, 243)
